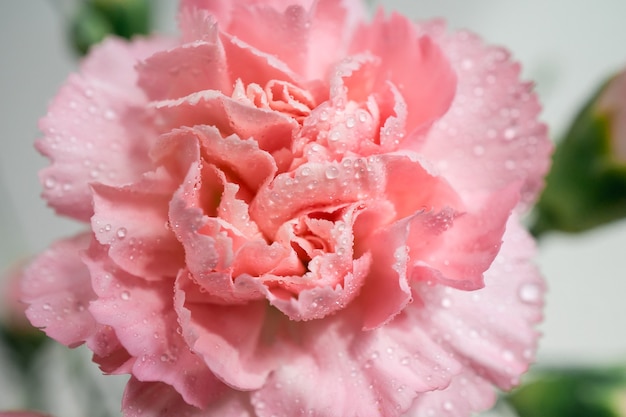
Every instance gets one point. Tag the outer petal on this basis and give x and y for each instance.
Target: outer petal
(491, 136)
(490, 330)
(413, 63)
(57, 286)
(94, 130)
(185, 69)
(355, 374)
(228, 338)
(155, 399)
(457, 248)
(149, 330)
(132, 220)
(307, 35)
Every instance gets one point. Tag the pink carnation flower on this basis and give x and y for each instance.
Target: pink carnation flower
(295, 212)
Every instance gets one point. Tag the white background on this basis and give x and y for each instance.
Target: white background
(567, 47)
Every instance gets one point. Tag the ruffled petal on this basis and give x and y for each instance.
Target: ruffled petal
(270, 129)
(413, 63)
(355, 374)
(186, 69)
(155, 399)
(143, 317)
(94, 130)
(457, 248)
(316, 185)
(228, 338)
(57, 287)
(491, 136)
(133, 221)
(308, 36)
(491, 330)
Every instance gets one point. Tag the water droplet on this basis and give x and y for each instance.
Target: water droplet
(448, 406)
(109, 114)
(107, 227)
(509, 133)
(510, 164)
(479, 150)
(530, 293)
(47, 307)
(121, 232)
(305, 172)
(446, 302)
(323, 115)
(332, 172)
(350, 122)
(50, 183)
(508, 356)
(334, 136)
(125, 295)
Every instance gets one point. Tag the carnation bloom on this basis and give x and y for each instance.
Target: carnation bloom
(295, 211)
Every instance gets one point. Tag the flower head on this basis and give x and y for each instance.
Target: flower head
(295, 211)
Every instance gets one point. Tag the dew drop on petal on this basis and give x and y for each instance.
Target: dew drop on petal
(479, 150)
(509, 133)
(332, 172)
(530, 293)
(47, 307)
(125, 295)
(50, 183)
(121, 232)
(508, 356)
(109, 114)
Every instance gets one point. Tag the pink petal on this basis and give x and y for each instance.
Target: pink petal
(323, 300)
(413, 63)
(228, 338)
(313, 186)
(492, 124)
(387, 290)
(132, 220)
(57, 287)
(456, 249)
(186, 69)
(283, 34)
(307, 36)
(490, 330)
(355, 374)
(148, 328)
(93, 131)
(242, 160)
(466, 393)
(272, 130)
(155, 399)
